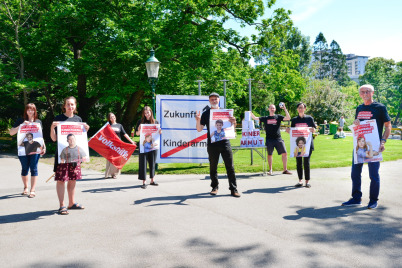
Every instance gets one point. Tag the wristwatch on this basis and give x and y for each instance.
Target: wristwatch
(383, 140)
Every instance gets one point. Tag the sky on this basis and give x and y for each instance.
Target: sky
(370, 28)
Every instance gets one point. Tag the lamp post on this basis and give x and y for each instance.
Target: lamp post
(152, 65)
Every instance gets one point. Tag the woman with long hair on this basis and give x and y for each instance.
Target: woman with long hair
(66, 172)
(111, 170)
(29, 161)
(303, 120)
(147, 117)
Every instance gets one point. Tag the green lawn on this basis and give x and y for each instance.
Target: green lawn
(328, 153)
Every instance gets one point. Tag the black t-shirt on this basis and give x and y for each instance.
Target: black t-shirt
(272, 126)
(375, 111)
(306, 121)
(31, 148)
(63, 118)
(118, 129)
(19, 121)
(205, 122)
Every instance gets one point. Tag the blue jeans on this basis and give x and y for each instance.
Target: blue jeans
(357, 180)
(29, 162)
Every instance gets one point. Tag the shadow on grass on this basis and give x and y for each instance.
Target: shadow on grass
(29, 216)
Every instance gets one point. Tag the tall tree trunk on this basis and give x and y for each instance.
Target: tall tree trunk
(131, 110)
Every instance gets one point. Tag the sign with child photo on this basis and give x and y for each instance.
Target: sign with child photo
(366, 142)
(300, 141)
(72, 142)
(219, 125)
(149, 137)
(30, 139)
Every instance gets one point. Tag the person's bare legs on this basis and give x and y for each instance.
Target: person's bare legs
(285, 161)
(33, 183)
(270, 158)
(60, 188)
(71, 192)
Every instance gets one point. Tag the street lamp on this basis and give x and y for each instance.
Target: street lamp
(152, 65)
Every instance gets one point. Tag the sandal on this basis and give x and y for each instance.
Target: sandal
(25, 192)
(154, 183)
(76, 206)
(62, 211)
(31, 195)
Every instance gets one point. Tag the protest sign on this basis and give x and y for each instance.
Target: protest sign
(366, 142)
(149, 137)
(300, 141)
(30, 139)
(180, 141)
(72, 142)
(219, 125)
(107, 143)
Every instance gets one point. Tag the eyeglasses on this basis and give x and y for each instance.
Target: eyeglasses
(365, 92)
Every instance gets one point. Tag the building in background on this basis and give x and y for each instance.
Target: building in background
(356, 66)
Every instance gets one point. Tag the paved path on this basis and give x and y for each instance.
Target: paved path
(178, 224)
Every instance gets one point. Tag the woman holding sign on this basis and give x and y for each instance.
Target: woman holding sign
(68, 172)
(303, 120)
(150, 157)
(111, 170)
(29, 161)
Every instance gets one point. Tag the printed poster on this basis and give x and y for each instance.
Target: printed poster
(108, 144)
(300, 141)
(149, 137)
(366, 142)
(219, 125)
(72, 142)
(30, 139)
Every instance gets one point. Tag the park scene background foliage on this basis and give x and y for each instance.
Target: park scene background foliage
(95, 51)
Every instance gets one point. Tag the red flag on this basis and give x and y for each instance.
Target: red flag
(107, 143)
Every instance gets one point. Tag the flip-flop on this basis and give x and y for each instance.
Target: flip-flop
(31, 195)
(76, 206)
(62, 211)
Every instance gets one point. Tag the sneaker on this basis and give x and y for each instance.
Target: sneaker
(298, 185)
(372, 205)
(214, 191)
(308, 185)
(287, 172)
(235, 193)
(144, 186)
(351, 202)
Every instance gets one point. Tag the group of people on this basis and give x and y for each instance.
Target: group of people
(69, 172)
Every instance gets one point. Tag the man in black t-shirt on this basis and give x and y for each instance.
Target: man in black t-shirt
(218, 148)
(274, 139)
(370, 109)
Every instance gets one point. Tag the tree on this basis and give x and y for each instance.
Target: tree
(320, 54)
(325, 101)
(337, 64)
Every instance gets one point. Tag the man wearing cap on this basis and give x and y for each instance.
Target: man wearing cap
(366, 111)
(218, 148)
(273, 138)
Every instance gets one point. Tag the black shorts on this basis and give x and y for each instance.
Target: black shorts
(279, 145)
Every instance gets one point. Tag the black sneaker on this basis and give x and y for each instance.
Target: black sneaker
(144, 186)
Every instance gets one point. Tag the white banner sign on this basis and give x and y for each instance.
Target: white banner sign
(300, 141)
(30, 139)
(149, 138)
(180, 141)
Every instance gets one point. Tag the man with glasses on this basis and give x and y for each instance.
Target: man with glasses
(366, 111)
